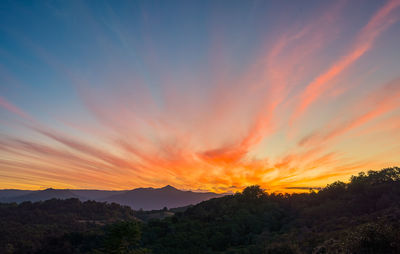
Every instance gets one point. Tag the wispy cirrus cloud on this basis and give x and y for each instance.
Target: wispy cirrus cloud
(376, 104)
(364, 41)
(13, 109)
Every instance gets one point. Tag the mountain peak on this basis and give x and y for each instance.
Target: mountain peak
(168, 187)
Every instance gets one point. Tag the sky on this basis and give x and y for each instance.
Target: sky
(200, 95)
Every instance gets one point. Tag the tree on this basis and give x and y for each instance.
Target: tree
(123, 238)
(253, 192)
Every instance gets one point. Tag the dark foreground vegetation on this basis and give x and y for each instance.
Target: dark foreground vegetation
(362, 216)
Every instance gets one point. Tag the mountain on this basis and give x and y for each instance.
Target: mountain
(13, 195)
(45, 195)
(145, 198)
(95, 194)
(158, 198)
(8, 194)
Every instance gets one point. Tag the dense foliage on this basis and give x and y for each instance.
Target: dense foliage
(66, 226)
(362, 216)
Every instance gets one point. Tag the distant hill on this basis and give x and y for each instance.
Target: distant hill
(95, 194)
(12, 193)
(45, 195)
(141, 198)
(153, 199)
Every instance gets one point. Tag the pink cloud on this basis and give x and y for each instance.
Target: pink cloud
(379, 22)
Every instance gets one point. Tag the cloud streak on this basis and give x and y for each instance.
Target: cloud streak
(364, 41)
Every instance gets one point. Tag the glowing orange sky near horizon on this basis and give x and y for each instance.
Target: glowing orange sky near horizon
(294, 116)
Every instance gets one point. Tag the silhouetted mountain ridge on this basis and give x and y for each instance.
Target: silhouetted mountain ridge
(157, 198)
(140, 198)
(46, 194)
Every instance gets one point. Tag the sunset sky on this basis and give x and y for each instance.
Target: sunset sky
(200, 95)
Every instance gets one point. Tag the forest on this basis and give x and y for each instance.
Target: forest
(359, 216)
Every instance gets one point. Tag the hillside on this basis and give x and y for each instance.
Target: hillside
(38, 227)
(361, 216)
